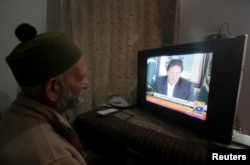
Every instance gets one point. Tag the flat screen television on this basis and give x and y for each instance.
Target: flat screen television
(204, 99)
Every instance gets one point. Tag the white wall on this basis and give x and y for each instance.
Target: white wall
(13, 13)
(201, 17)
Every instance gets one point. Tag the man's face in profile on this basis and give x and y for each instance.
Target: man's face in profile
(174, 73)
(73, 84)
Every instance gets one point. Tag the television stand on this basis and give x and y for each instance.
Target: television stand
(133, 134)
(142, 119)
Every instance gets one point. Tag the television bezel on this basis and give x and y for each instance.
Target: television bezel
(226, 74)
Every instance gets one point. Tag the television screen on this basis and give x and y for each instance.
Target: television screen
(194, 86)
(180, 82)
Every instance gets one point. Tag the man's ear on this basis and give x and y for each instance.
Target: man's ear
(53, 89)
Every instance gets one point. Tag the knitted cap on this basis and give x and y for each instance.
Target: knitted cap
(40, 57)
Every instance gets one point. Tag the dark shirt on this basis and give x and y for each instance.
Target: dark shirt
(184, 89)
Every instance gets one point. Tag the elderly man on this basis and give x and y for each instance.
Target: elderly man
(51, 72)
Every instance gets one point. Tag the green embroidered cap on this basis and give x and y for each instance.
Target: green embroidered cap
(40, 57)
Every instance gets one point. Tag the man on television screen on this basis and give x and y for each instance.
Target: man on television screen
(173, 85)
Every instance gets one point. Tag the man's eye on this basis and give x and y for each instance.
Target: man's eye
(83, 77)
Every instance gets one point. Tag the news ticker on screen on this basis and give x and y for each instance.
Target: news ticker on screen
(195, 109)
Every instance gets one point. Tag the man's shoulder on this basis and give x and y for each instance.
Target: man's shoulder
(185, 81)
(161, 78)
(35, 141)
